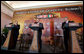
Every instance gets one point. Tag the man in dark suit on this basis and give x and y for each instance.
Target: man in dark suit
(39, 32)
(66, 33)
(16, 28)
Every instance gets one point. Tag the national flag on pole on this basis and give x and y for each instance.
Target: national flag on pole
(39, 16)
(45, 16)
(50, 15)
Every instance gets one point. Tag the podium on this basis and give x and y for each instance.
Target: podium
(34, 48)
(8, 44)
(73, 45)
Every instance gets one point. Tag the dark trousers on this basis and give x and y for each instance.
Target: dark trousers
(40, 41)
(40, 44)
(66, 44)
(66, 35)
(15, 40)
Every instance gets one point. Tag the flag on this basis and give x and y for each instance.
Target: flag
(45, 16)
(40, 16)
(50, 15)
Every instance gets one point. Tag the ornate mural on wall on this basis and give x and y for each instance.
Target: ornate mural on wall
(73, 13)
(58, 31)
(26, 29)
(46, 24)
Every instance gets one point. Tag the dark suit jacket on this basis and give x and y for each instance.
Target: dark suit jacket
(16, 29)
(65, 30)
(64, 26)
(39, 30)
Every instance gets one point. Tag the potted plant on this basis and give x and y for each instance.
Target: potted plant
(5, 31)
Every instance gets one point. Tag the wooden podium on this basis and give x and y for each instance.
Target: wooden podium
(8, 44)
(73, 45)
(34, 48)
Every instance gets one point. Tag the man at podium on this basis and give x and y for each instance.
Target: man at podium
(70, 38)
(66, 32)
(16, 32)
(36, 26)
(12, 36)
